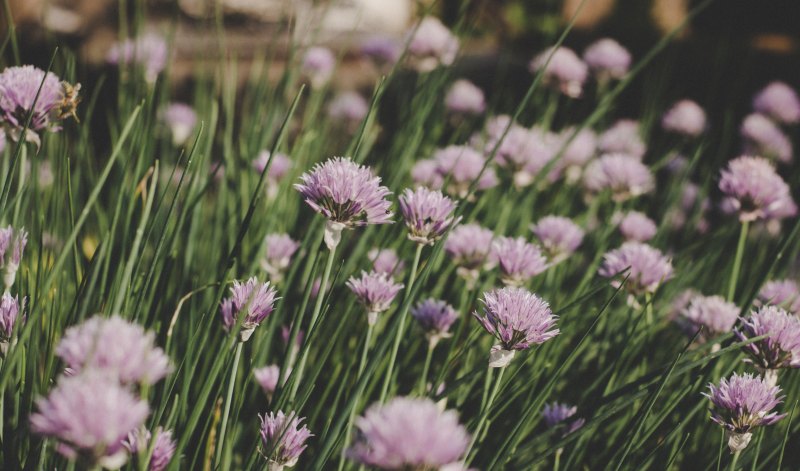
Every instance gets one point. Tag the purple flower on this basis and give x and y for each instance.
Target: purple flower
(526, 152)
(267, 377)
(10, 310)
(518, 319)
(469, 246)
(713, 313)
(580, 150)
(428, 214)
(347, 194)
(686, 118)
(375, 291)
(148, 52)
(607, 59)
(348, 106)
(741, 404)
(116, 347)
(408, 433)
(763, 137)
(163, 448)
(181, 120)
(12, 246)
(435, 317)
(459, 166)
(565, 70)
(464, 97)
(637, 227)
(431, 45)
(278, 251)
(426, 173)
(278, 168)
(647, 266)
(385, 261)
(754, 189)
(625, 176)
(519, 260)
(781, 347)
(622, 138)
(559, 236)
(784, 293)
(283, 439)
(90, 414)
(778, 101)
(317, 66)
(384, 50)
(556, 414)
(256, 298)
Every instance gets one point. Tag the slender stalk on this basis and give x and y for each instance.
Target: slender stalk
(557, 462)
(485, 413)
(423, 379)
(23, 156)
(361, 365)
(737, 261)
(228, 400)
(734, 461)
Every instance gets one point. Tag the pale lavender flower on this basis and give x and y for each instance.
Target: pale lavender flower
(565, 70)
(286, 331)
(713, 313)
(279, 167)
(686, 118)
(375, 291)
(556, 414)
(163, 448)
(526, 152)
(459, 166)
(10, 311)
(518, 319)
(625, 176)
(509, 144)
(763, 137)
(623, 137)
(148, 51)
(519, 260)
(384, 50)
(427, 213)
(464, 97)
(89, 415)
(115, 347)
(278, 252)
(637, 227)
(408, 433)
(784, 293)
(349, 107)
(426, 173)
(581, 150)
(347, 194)
(779, 101)
(781, 347)
(741, 404)
(254, 300)
(181, 120)
(754, 189)
(559, 236)
(431, 45)
(283, 439)
(385, 261)
(607, 59)
(267, 377)
(317, 66)
(12, 246)
(647, 267)
(435, 317)
(469, 246)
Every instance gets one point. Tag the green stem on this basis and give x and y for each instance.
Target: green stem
(734, 461)
(361, 365)
(737, 262)
(557, 462)
(423, 379)
(485, 413)
(23, 155)
(228, 400)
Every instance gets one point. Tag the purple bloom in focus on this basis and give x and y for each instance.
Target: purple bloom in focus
(118, 348)
(459, 166)
(781, 347)
(384, 50)
(278, 252)
(181, 120)
(625, 176)
(465, 98)
(469, 246)
(267, 377)
(622, 138)
(375, 291)
(778, 101)
(428, 214)
(408, 433)
(555, 414)
(686, 118)
(763, 137)
(283, 439)
(607, 59)
(741, 404)
(12, 246)
(637, 227)
(148, 51)
(258, 299)
(163, 448)
(431, 45)
(559, 236)
(565, 70)
(754, 188)
(385, 261)
(519, 260)
(348, 106)
(435, 317)
(647, 266)
(713, 313)
(90, 415)
(317, 66)
(518, 319)
(784, 293)
(10, 310)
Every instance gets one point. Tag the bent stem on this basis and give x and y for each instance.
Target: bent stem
(485, 413)
(737, 262)
(228, 400)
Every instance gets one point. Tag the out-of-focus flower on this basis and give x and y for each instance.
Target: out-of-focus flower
(435, 317)
(254, 300)
(384, 50)
(349, 107)
(637, 227)
(280, 165)
(623, 137)
(375, 291)
(753, 187)
(267, 377)
(741, 404)
(458, 166)
(181, 120)
(559, 236)
(784, 293)
(148, 51)
(518, 319)
(10, 311)
(427, 213)
(426, 173)
(469, 246)
(12, 246)
(385, 261)
(408, 433)
(625, 176)
(431, 45)
(763, 137)
(607, 59)
(686, 118)
(347, 194)
(90, 415)
(556, 414)
(283, 439)
(519, 260)
(647, 266)
(713, 313)
(565, 70)
(780, 348)
(115, 347)
(163, 448)
(278, 252)
(317, 66)
(464, 97)
(577, 153)
(778, 101)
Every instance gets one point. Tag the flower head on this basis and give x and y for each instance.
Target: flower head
(607, 59)
(580, 150)
(556, 413)
(384, 50)
(90, 414)
(784, 293)
(10, 310)
(565, 70)
(348, 106)
(559, 236)
(148, 51)
(254, 300)
(181, 120)
(385, 261)
(781, 347)
(625, 176)
(426, 173)
(375, 291)
(428, 214)
(753, 187)
(713, 313)
(431, 45)
(282, 438)
(763, 137)
(115, 347)
(519, 260)
(163, 448)
(408, 433)
(12, 246)
(648, 267)
(637, 227)
(464, 97)
(622, 138)
(435, 317)
(469, 246)
(317, 66)
(459, 166)
(278, 252)
(267, 377)
(778, 101)
(686, 118)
